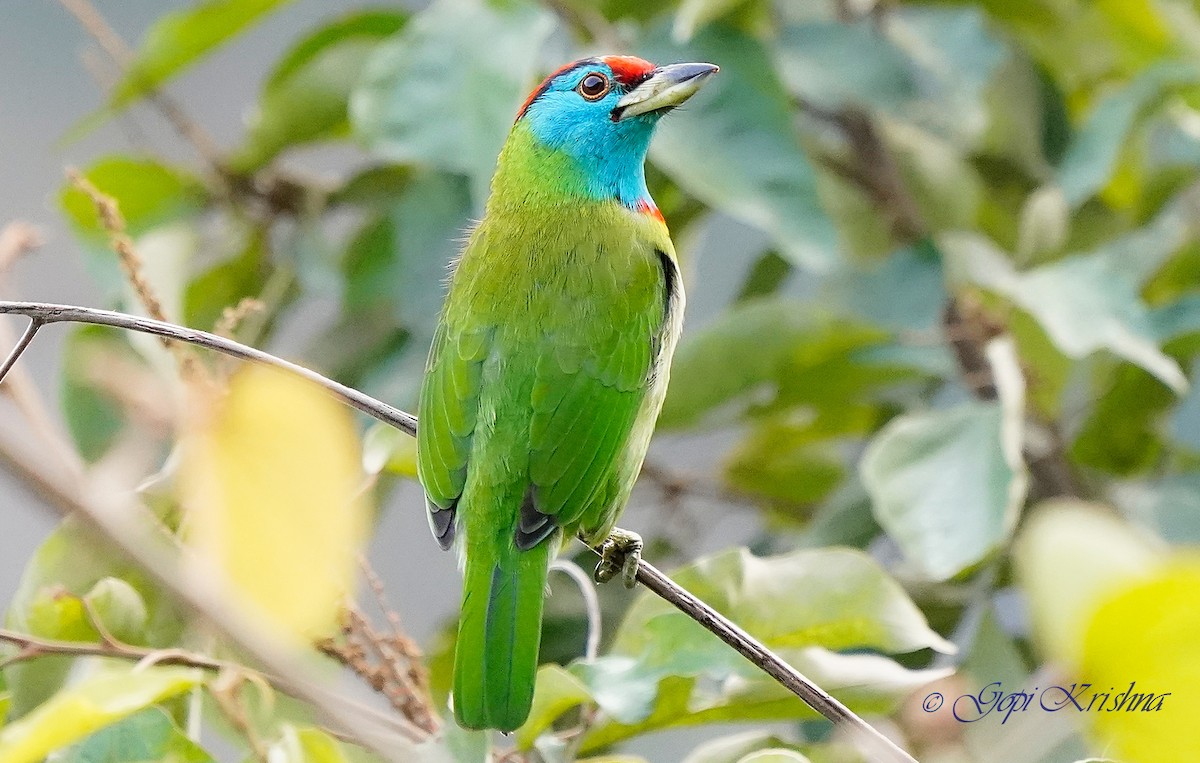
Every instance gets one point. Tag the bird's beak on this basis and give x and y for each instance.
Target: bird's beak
(667, 87)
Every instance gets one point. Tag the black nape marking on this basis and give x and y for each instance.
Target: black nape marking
(441, 522)
(670, 281)
(533, 526)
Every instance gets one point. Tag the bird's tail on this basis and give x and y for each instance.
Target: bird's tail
(499, 633)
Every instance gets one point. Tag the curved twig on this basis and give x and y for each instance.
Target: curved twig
(882, 748)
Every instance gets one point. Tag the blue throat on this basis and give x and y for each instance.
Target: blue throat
(611, 156)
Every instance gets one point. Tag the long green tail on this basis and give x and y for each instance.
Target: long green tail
(499, 633)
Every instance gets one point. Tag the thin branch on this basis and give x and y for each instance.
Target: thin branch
(32, 647)
(116, 48)
(50, 313)
(880, 747)
(128, 539)
(22, 345)
(591, 603)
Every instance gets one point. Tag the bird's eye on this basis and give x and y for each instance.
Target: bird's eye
(594, 86)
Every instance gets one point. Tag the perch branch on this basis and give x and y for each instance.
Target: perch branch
(883, 749)
(47, 313)
(22, 345)
(879, 746)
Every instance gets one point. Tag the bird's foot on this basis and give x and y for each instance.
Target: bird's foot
(620, 552)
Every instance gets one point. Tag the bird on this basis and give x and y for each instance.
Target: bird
(549, 364)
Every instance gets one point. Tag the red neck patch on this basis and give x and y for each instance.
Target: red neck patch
(647, 207)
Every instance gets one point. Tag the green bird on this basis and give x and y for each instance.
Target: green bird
(549, 364)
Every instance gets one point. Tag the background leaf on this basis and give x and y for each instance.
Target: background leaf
(306, 97)
(179, 39)
(406, 109)
(91, 704)
(745, 157)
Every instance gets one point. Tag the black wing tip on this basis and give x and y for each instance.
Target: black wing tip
(533, 526)
(441, 523)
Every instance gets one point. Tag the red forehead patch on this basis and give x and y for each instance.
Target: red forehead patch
(629, 70)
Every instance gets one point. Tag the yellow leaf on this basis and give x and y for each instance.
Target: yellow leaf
(92, 704)
(273, 487)
(1142, 641)
(1069, 556)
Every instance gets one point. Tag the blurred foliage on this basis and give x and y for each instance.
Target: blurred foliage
(944, 326)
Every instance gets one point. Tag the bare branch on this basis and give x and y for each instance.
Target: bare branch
(881, 748)
(102, 32)
(49, 313)
(22, 345)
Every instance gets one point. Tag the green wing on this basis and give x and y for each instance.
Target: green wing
(591, 381)
(448, 409)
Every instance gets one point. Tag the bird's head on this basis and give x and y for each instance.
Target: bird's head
(602, 111)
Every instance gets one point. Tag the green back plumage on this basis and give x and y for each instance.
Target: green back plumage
(542, 386)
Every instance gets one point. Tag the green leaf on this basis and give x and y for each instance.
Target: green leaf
(394, 269)
(456, 745)
(771, 352)
(868, 291)
(90, 705)
(147, 192)
(305, 99)
(1092, 156)
(93, 419)
(1122, 432)
(227, 283)
(1089, 302)
(179, 39)
(444, 91)
(834, 65)
(794, 459)
(1177, 319)
(399, 258)
(374, 185)
(67, 566)
(149, 735)
(736, 149)
(386, 448)
(833, 598)
(926, 66)
(712, 689)
(948, 485)
(556, 692)
(695, 14)
(666, 670)
(119, 608)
